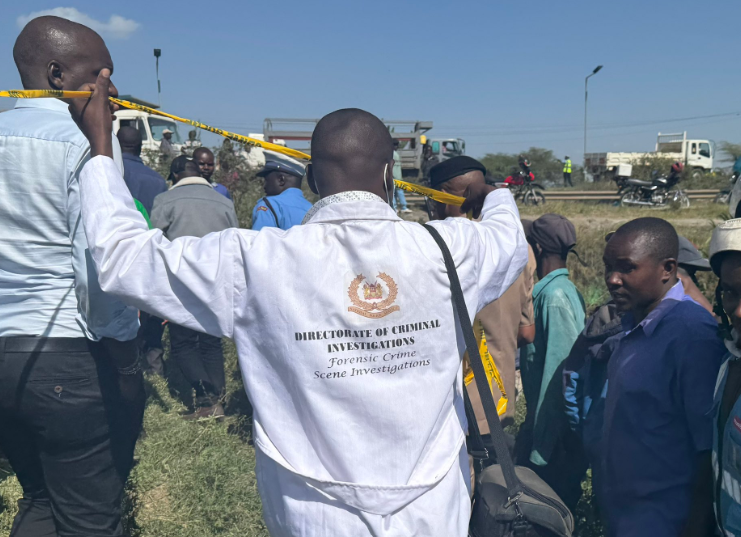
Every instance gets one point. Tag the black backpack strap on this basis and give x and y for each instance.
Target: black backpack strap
(275, 215)
(504, 458)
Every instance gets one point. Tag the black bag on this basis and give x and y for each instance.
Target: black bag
(508, 500)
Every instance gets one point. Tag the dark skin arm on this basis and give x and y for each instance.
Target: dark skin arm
(95, 115)
(475, 195)
(701, 521)
(525, 335)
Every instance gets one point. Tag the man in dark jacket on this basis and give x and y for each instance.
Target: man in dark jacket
(585, 389)
(193, 208)
(144, 183)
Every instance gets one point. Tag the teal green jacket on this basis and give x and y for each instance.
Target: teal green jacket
(559, 319)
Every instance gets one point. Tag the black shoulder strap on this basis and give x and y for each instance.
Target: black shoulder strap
(275, 215)
(476, 447)
(514, 486)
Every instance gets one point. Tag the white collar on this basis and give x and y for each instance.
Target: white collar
(191, 181)
(342, 197)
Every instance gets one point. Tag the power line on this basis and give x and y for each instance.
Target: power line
(530, 141)
(565, 128)
(474, 131)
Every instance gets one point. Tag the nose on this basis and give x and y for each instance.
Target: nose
(612, 279)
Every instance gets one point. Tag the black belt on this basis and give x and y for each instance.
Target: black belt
(46, 344)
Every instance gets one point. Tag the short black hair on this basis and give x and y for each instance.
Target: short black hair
(49, 38)
(192, 167)
(657, 236)
(200, 150)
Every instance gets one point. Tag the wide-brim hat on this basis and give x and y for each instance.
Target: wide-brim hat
(726, 238)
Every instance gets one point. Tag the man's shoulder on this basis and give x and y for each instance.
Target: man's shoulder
(42, 125)
(142, 169)
(689, 315)
(261, 205)
(198, 192)
(561, 289)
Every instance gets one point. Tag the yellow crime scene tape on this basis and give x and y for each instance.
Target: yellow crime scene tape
(431, 193)
(436, 195)
(492, 373)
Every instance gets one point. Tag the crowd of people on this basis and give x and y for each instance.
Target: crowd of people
(348, 341)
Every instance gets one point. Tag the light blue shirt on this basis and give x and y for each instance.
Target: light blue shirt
(48, 284)
(397, 167)
(290, 207)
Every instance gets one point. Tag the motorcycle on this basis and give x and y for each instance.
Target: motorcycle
(724, 196)
(524, 189)
(622, 184)
(659, 192)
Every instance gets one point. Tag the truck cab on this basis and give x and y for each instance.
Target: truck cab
(150, 126)
(445, 148)
(697, 155)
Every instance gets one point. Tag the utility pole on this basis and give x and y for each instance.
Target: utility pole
(586, 93)
(157, 54)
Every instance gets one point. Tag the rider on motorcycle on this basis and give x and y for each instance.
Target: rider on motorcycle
(676, 173)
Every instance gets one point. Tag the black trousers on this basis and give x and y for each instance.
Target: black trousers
(567, 179)
(68, 434)
(150, 332)
(200, 358)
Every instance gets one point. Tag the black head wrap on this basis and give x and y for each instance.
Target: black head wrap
(452, 168)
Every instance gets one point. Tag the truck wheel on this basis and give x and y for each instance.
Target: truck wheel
(697, 173)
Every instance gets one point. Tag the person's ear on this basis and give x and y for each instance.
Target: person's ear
(55, 74)
(310, 179)
(669, 269)
(537, 250)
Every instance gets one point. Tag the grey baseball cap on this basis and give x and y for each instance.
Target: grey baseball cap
(690, 256)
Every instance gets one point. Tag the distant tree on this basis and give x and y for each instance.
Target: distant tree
(732, 150)
(543, 164)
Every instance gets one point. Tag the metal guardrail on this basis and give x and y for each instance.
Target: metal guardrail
(590, 195)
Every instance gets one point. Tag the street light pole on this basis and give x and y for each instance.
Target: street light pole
(586, 94)
(157, 54)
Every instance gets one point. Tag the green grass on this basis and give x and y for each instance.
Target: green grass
(192, 479)
(197, 479)
(700, 209)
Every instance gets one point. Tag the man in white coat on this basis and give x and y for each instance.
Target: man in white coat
(352, 358)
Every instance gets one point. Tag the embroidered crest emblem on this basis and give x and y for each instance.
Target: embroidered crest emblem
(377, 300)
(262, 208)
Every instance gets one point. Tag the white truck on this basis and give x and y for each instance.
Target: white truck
(696, 155)
(411, 135)
(150, 126)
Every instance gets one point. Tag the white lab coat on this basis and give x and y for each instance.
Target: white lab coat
(359, 421)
